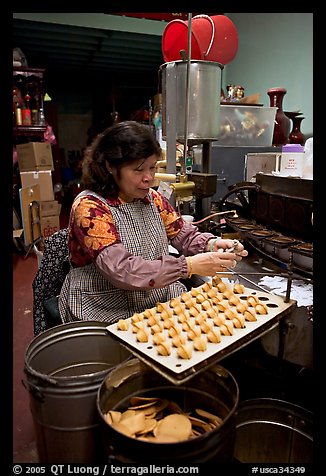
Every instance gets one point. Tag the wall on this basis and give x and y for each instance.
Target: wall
(73, 131)
(97, 98)
(275, 49)
(74, 103)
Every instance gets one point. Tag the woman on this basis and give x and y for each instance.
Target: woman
(120, 230)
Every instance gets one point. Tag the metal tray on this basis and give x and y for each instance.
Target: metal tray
(179, 370)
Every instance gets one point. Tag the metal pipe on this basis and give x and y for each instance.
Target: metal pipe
(185, 151)
(288, 290)
(282, 275)
(289, 277)
(234, 273)
(289, 283)
(235, 215)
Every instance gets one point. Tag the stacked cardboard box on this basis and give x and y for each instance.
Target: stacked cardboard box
(35, 165)
(34, 156)
(43, 178)
(49, 217)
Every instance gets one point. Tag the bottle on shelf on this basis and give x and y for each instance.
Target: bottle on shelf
(18, 114)
(27, 99)
(41, 117)
(26, 112)
(34, 116)
(37, 116)
(16, 96)
(26, 116)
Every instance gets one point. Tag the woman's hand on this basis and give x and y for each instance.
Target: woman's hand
(221, 254)
(222, 246)
(210, 263)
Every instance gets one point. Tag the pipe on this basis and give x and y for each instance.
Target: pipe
(240, 275)
(165, 177)
(185, 149)
(235, 215)
(182, 186)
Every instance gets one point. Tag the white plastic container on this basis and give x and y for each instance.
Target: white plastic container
(292, 160)
(308, 168)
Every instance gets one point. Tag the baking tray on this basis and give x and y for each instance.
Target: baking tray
(179, 370)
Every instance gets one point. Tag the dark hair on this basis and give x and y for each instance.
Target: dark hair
(121, 144)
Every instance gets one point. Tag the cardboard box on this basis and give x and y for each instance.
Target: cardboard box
(49, 225)
(34, 156)
(256, 162)
(41, 177)
(49, 208)
(43, 225)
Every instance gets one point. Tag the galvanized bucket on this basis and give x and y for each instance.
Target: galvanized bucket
(65, 366)
(273, 431)
(204, 100)
(214, 390)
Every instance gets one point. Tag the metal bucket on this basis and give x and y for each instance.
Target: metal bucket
(273, 431)
(65, 366)
(204, 99)
(214, 390)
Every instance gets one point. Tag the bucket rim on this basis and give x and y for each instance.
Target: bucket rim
(275, 402)
(65, 331)
(72, 380)
(137, 366)
(215, 63)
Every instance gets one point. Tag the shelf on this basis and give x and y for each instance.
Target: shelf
(39, 72)
(28, 82)
(28, 130)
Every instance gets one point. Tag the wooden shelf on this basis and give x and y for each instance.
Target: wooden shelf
(28, 130)
(29, 80)
(39, 72)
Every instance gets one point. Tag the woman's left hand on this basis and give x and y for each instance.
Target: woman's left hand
(226, 245)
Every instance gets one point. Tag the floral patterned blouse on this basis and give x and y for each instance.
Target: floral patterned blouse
(92, 228)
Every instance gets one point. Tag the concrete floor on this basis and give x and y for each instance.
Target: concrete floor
(24, 270)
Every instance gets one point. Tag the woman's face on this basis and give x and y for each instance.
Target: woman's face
(136, 179)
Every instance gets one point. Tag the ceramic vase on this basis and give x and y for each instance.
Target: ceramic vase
(296, 136)
(282, 124)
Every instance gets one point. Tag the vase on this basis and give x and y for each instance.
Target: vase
(282, 122)
(296, 136)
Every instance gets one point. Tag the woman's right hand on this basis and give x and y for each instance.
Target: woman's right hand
(210, 263)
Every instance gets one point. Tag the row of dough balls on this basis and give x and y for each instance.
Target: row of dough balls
(215, 310)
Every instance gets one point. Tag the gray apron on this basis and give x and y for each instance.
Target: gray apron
(87, 295)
